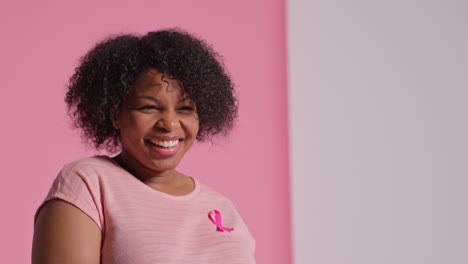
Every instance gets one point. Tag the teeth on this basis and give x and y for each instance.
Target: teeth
(165, 144)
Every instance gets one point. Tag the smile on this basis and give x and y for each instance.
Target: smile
(164, 148)
(164, 143)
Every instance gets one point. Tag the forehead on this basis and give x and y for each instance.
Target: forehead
(153, 81)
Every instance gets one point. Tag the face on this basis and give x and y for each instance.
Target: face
(158, 123)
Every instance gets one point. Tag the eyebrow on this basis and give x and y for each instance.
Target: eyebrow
(149, 98)
(186, 98)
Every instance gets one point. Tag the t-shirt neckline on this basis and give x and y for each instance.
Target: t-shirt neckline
(147, 188)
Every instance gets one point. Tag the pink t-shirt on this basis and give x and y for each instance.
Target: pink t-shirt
(141, 225)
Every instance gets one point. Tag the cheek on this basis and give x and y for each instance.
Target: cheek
(135, 126)
(191, 124)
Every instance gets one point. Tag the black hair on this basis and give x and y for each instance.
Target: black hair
(105, 77)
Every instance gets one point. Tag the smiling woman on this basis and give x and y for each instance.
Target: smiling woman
(148, 98)
(158, 123)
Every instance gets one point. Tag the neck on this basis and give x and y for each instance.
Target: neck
(146, 175)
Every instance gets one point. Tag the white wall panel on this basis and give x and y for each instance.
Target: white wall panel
(378, 106)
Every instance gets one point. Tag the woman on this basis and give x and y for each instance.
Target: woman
(150, 98)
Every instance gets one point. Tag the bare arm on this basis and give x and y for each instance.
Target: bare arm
(64, 234)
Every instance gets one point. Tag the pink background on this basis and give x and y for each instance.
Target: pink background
(41, 43)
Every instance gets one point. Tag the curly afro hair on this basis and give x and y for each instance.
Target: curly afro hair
(105, 76)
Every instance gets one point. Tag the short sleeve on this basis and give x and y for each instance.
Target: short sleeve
(80, 187)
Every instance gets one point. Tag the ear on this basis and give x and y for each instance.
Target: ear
(114, 116)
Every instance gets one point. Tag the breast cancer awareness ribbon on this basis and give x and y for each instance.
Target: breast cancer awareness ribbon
(215, 217)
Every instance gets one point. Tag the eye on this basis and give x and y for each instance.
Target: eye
(186, 108)
(147, 107)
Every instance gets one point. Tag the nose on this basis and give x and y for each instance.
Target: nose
(168, 121)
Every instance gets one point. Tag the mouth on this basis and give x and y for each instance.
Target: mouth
(164, 143)
(164, 147)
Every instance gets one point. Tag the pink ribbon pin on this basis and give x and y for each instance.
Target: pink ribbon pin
(215, 217)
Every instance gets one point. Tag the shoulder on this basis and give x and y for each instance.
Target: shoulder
(90, 162)
(88, 167)
(213, 196)
(210, 191)
(79, 183)
(84, 178)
